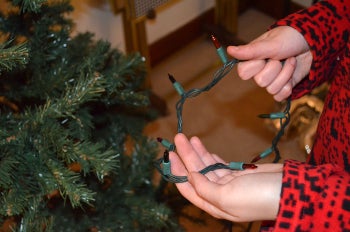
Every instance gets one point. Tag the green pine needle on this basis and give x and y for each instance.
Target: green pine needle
(13, 57)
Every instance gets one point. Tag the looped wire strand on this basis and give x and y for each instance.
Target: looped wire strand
(283, 123)
(218, 75)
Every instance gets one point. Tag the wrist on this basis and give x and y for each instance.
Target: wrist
(260, 196)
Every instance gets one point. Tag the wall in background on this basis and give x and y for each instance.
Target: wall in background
(96, 16)
(172, 18)
(304, 3)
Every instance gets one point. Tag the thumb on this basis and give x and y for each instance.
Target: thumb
(278, 43)
(253, 51)
(205, 188)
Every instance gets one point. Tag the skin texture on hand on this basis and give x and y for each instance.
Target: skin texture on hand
(247, 195)
(261, 60)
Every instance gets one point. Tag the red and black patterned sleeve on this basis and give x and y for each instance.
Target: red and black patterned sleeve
(325, 26)
(314, 198)
(317, 197)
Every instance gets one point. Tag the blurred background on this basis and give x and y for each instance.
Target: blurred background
(105, 17)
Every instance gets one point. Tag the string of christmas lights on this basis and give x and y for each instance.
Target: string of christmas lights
(163, 165)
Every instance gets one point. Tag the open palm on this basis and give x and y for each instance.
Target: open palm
(233, 195)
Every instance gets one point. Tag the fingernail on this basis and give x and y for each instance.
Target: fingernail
(232, 48)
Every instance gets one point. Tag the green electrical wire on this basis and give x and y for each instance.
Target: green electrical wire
(221, 73)
(163, 165)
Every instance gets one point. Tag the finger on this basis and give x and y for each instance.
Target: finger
(219, 159)
(303, 66)
(177, 167)
(221, 172)
(208, 159)
(248, 69)
(201, 150)
(283, 77)
(268, 74)
(285, 92)
(188, 191)
(188, 155)
(274, 44)
(257, 50)
(202, 197)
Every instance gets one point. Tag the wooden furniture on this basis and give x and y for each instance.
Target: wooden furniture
(136, 12)
(226, 15)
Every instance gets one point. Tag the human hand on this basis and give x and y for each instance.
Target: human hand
(262, 59)
(247, 195)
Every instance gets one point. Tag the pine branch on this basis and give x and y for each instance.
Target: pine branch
(13, 57)
(124, 74)
(7, 164)
(71, 95)
(33, 219)
(141, 169)
(149, 214)
(29, 5)
(131, 72)
(76, 96)
(45, 137)
(91, 157)
(70, 185)
(13, 201)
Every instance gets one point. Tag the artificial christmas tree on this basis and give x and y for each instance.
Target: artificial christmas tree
(72, 110)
